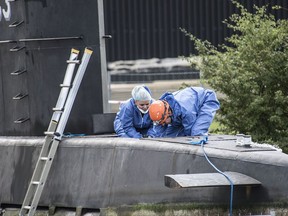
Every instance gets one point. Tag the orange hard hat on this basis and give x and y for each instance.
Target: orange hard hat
(159, 111)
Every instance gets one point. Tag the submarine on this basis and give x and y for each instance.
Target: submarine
(99, 170)
(104, 171)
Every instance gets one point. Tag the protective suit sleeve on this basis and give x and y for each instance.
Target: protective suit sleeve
(188, 119)
(151, 132)
(126, 117)
(157, 131)
(118, 128)
(207, 110)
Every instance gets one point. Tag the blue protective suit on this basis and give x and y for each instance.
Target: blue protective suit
(130, 122)
(193, 110)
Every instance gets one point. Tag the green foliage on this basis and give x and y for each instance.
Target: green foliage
(251, 73)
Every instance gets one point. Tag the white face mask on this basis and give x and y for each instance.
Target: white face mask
(143, 111)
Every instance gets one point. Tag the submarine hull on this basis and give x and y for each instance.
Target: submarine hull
(104, 171)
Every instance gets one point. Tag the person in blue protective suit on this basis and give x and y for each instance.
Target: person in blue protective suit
(133, 120)
(187, 112)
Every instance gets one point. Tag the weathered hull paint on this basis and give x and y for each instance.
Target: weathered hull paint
(99, 172)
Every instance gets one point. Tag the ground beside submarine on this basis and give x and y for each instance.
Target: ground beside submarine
(183, 209)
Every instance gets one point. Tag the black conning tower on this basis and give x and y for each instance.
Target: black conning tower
(35, 41)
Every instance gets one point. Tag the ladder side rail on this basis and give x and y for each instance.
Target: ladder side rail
(76, 84)
(66, 86)
(46, 169)
(51, 128)
(62, 123)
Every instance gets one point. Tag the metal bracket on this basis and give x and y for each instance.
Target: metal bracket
(18, 72)
(48, 39)
(107, 36)
(8, 41)
(16, 23)
(19, 96)
(16, 48)
(21, 120)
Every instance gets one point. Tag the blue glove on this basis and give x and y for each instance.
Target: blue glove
(198, 140)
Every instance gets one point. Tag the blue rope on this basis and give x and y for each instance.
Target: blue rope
(227, 177)
(72, 135)
(201, 141)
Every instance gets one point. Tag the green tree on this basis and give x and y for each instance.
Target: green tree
(251, 73)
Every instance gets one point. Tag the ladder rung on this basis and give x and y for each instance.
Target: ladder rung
(35, 182)
(57, 109)
(56, 135)
(49, 133)
(73, 61)
(66, 86)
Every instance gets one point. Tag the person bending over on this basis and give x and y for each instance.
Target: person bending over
(187, 112)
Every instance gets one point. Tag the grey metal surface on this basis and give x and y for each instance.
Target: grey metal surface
(103, 123)
(209, 180)
(227, 142)
(45, 61)
(97, 171)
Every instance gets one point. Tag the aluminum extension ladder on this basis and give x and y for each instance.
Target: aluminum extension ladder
(55, 130)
